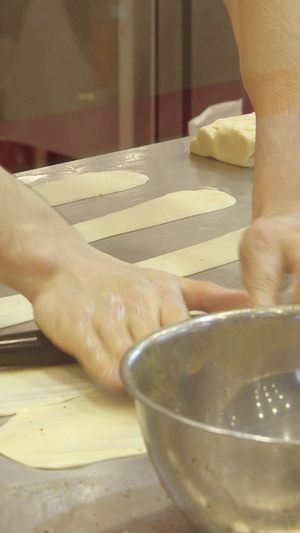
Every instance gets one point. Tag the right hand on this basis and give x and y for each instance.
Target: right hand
(270, 249)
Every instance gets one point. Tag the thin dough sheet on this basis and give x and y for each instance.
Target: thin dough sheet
(199, 257)
(14, 310)
(173, 206)
(81, 431)
(32, 387)
(88, 185)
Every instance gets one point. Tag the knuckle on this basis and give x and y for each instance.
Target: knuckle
(170, 295)
(162, 279)
(264, 284)
(259, 237)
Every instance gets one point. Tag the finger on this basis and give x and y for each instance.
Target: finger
(95, 358)
(262, 266)
(296, 293)
(292, 255)
(209, 297)
(142, 324)
(85, 345)
(173, 308)
(116, 339)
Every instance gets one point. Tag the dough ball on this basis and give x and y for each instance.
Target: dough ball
(231, 140)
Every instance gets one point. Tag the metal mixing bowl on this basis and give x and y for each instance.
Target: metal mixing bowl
(218, 401)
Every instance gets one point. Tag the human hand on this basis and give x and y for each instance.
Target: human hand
(89, 304)
(270, 249)
(95, 307)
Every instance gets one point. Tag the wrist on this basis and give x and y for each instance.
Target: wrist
(270, 199)
(277, 165)
(35, 249)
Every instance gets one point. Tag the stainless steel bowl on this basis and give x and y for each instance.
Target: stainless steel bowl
(218, 401)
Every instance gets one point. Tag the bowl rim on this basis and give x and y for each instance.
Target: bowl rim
(190, 324)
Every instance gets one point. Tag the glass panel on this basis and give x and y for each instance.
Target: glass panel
(84, 77)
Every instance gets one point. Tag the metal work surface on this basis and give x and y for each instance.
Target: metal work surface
(123, 496)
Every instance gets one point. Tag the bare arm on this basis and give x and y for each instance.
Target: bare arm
(91, 305)
(267, 33)
(33, 238)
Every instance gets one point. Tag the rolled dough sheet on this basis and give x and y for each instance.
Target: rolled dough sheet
(184, 262)
(41, 386)
(231, 140)
(14, 310)
(78, 432)
(172, 206)
(199, 257)
(88, 185)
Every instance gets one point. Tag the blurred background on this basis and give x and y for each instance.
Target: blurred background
(85, 77)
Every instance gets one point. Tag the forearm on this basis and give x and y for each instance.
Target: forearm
(34, 239)
(267, 35)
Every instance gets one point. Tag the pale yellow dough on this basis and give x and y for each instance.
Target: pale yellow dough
(81, 431)
(184, 262)
(40, 386)
(14, 310)
(199, 257)
(231, 140)
(173, 206)
(88, 185)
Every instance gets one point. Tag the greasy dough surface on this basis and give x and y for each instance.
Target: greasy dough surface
(184, 262)
(231, 140)
(78, 432)
(88, 185)
(41, 386)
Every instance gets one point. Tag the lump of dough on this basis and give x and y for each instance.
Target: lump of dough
(231, 140)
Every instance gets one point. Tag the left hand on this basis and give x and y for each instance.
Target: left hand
(95, 307)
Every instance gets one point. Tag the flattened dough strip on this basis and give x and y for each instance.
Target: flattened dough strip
(88, 185)
(184, 262)
(15, 310)
(199, 257)
(173, 206)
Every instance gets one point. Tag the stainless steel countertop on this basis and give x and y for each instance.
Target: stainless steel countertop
(123, 496)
